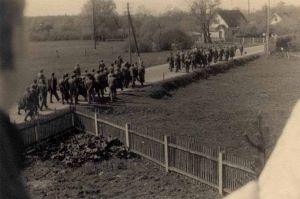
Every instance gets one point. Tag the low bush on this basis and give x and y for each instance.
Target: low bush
(161, 89)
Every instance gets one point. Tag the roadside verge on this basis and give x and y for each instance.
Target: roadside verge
(163, 88)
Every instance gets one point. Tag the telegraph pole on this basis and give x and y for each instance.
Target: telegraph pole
(94, 24)
(248, 8)
(129, 33)
(268, 27)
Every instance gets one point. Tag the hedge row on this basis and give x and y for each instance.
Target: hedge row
(161, 89)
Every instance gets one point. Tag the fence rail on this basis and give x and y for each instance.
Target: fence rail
(46, 127)
(184, 156)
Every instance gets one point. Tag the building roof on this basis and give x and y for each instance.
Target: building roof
(282, 15)
(233, 18)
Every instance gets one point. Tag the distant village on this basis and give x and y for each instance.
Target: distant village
(153, 32)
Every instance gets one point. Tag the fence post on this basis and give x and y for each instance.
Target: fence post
(36, 131)
(127, 129)
(73, 116)
(96, 124)
(220, 163)
(166, 153)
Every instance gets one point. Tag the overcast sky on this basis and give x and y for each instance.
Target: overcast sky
(73, 7)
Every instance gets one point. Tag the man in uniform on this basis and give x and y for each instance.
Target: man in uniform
(89, 85)
(119, 78)
(216, 55)
(73, 90)
(177, 62)
(22, 105)
(141, 73)
(43, 94)
(193, 60)
(103, 81)
(232, 52)
(126, 74)
(187, 62)
(242, 49)
(221, 54)
(52, 84)
(227, 53)
(63, 87)
(133, 74)
(182, 59)
(171, 61)
(35, 95)
(29, 105)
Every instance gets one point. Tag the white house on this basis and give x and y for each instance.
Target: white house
(226, 24)
(279, 18)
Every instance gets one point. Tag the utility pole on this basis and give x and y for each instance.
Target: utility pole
(94, 24)
(248, 8)
(129, 33)
(268, 28)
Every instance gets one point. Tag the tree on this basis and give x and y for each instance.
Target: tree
(102, 17)
(204, 11)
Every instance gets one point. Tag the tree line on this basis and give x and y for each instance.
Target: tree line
(100, 19)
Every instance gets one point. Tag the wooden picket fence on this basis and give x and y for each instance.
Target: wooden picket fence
(46, 127)
(179, 154)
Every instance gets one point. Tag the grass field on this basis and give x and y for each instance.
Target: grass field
(221, 109)
(42, 55)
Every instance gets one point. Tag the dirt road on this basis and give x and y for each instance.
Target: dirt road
(153, 74)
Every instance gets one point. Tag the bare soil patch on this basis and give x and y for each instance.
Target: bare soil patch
(64, 170)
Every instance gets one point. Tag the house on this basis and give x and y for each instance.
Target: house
(226, 24)
(278, 18)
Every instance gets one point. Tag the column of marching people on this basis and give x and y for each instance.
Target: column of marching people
(94, 86)
(98, 84)
(202, 57)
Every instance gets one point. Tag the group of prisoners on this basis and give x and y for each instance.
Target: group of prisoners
(95, 84)
(91, 85)
(202, 57)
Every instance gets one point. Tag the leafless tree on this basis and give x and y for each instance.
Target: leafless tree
(204, 11)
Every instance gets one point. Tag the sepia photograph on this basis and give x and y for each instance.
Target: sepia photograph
(149, 99)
